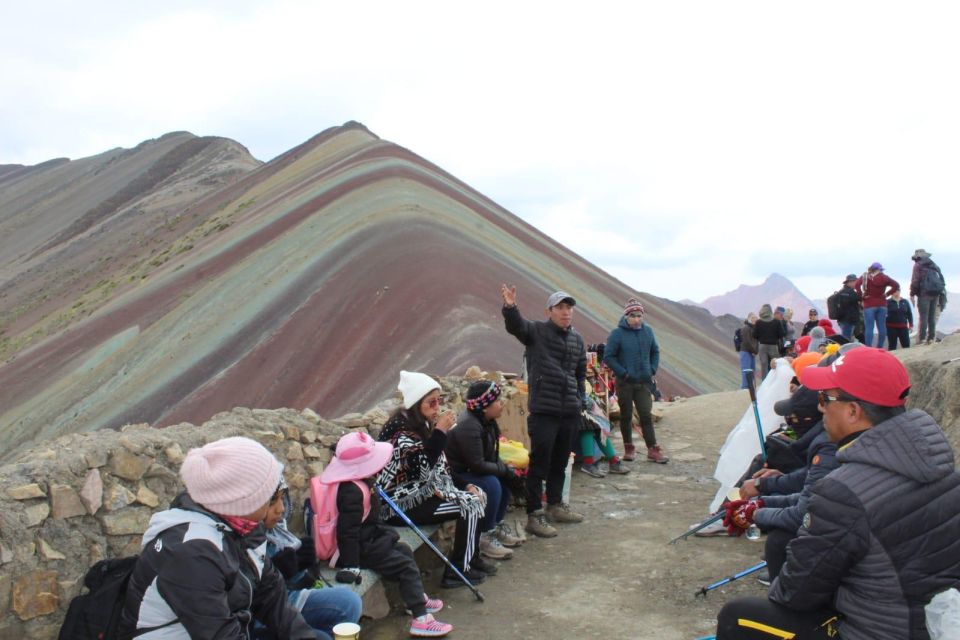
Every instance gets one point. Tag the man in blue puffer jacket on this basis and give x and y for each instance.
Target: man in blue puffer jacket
(633, 355)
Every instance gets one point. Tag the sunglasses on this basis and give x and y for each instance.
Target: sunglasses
(435, 402)
(825, 399)
(635, 315)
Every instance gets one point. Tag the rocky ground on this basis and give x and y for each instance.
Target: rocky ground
(615, 576)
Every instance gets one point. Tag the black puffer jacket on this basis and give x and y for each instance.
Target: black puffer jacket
(473, 446)
(848, 306)
(556, 364)
(882, 533)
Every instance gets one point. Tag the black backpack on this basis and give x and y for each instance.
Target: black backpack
(833, 306)
(95, 615)
(932, 281)
(737, 340)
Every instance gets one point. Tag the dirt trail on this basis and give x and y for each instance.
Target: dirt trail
(615, 576)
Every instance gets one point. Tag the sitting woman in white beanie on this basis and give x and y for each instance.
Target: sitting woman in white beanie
(418, 479)
(203, 570)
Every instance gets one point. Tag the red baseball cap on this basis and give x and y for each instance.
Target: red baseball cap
(868, 374)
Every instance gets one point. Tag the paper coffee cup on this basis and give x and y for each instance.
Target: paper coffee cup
(347, 631)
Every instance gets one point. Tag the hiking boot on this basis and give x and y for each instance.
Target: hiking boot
(592, 469)
(491, 547)
(655, 454)
(618, 468)
(506, 536)
(537, 525)
(426, 626)
(450, 580)
(629, 453)
(479, 563)
(561, 513)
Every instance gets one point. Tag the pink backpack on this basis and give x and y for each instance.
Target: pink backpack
(323, 498)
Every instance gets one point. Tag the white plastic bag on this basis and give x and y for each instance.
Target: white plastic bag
(943, 616)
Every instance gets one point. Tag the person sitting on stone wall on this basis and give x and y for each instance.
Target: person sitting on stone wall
(473, 451)
(203, 571)
(417, 476)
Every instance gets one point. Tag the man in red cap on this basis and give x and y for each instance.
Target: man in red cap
(881, 535)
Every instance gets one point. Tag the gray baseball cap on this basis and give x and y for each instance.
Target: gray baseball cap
(560, 296)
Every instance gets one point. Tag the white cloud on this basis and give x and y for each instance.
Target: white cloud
(685, 147)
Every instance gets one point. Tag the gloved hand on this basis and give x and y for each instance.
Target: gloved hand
(739, 515)
(349, 576)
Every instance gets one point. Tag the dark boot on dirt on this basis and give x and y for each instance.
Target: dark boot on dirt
(537, 525)
(451, 580)
(629, 453)
(479, 563)
(619, 468)
(562, 513)
(655, 454)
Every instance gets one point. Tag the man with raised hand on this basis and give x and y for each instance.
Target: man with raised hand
(556, 374)
(881, 535)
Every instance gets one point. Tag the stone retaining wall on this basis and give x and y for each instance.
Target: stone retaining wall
(85, 497)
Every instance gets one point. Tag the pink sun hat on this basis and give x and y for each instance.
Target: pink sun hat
(358, 456)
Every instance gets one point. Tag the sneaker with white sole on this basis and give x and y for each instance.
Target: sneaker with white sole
(490, 546)
(432, 605)
(426, 626)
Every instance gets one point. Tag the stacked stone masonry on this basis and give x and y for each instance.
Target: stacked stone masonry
(85, 497)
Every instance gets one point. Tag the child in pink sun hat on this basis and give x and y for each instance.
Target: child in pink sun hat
(363, 542)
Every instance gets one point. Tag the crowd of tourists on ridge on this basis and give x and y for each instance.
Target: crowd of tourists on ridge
(865, 306)
(861, 506)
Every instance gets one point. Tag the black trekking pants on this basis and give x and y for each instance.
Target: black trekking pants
(551, 440)
(434, 510)
(775, 550)
(628, 395)
(762, 619)
(400, 565)
(898, 334)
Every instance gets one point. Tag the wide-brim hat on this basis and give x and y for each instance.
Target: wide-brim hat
(358, 456)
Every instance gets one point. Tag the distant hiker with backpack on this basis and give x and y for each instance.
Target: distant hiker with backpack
(769, 332)
(899, 321)
(418, 478)
(632, 353)
(473, 450)
(846, 306)
(747, 347)
(203, 570)
(557, 372)
(294, 557)
(875, 287)
(928, 290)
(362, 542)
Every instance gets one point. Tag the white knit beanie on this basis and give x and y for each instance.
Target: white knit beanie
(414, 386)
(232, 476)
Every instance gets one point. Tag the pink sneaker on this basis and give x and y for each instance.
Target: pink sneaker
(427, 626)
(433, 604)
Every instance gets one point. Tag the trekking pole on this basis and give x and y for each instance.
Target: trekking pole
(426, 540)
(756, 412)
(703, 525)
(736, 576)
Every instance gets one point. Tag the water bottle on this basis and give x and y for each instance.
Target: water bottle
(753, 532)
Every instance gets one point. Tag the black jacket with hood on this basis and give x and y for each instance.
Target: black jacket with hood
(197, 578)
(474, 447)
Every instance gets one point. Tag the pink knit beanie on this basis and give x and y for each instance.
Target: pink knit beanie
(231, 477)
(633, 306)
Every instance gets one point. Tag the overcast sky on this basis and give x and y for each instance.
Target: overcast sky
(685, 147)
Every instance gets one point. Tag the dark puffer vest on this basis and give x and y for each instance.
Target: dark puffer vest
(556, 364)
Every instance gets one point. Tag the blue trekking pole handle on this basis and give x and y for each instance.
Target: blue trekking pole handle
(736, 576)
(426, 540)
(756, 412)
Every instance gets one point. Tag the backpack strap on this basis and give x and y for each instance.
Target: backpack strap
(365, 490)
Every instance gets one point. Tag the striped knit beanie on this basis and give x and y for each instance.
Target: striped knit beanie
(633, 305)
